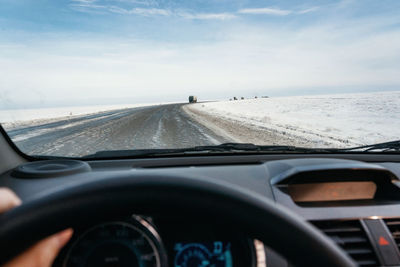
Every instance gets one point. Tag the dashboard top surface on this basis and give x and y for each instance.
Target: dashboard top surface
(255, 175)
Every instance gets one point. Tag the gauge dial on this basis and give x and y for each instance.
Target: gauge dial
(205, 254)
(117, 244)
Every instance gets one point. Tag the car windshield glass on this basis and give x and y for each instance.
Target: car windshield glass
(81, 77)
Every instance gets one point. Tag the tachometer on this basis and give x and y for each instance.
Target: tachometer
(118, 244)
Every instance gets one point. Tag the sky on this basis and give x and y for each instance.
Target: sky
(91, 52)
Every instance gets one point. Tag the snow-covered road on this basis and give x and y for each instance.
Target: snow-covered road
(149, 127)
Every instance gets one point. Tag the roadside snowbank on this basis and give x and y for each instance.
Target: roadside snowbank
(340, 120)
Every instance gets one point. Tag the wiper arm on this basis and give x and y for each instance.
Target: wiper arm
(393, 146)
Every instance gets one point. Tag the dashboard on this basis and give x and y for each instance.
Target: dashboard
(356, 203)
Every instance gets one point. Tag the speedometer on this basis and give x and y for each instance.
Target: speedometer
(118, 244)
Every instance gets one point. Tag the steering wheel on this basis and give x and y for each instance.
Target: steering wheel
(280, 229)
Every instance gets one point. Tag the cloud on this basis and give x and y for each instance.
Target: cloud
(358, 52)
(152, 9)
(266, 11)
(264, 58)
(166, 12)
(308, 10)
(84, 1)
(208, 16)
(87, 6)
(92, 6)
(140, 11)
(139, 2)
(275, 11)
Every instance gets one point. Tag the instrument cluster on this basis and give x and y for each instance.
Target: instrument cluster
(136, 241)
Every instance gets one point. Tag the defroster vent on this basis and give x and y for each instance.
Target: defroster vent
(351, 237)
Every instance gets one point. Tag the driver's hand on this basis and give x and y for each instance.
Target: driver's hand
(44, 252)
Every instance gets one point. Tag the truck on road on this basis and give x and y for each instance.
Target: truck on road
(192, 99)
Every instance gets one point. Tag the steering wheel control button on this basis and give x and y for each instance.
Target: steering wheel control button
(383, 242)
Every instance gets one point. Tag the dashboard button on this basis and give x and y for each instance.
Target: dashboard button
(383, 242)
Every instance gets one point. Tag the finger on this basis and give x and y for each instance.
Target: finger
(8, 199)
(43, 253)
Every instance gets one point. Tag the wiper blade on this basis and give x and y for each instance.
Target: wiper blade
(253, 148)
(393, 146)
(222, 148)
(131, 153)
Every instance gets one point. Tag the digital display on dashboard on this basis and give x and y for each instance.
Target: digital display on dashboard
(204, 254)
(332, 191)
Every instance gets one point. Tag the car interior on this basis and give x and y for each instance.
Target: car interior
(199, 133)
(326, 209)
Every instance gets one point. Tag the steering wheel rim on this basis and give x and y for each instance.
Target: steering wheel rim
(282, 230)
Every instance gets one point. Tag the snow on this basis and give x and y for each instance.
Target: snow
(40, 131)
(339, 120)
(14, 118)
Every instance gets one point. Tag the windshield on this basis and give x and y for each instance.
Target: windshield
(82, 76)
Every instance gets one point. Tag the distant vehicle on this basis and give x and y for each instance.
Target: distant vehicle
(234, 98)
(192, 99)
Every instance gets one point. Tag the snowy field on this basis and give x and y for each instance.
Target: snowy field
(340, 120)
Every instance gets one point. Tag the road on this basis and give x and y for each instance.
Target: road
(162, 126)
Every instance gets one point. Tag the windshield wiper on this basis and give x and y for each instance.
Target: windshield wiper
(240, 148)
(222, 148)
(243, 147)
(393, 146)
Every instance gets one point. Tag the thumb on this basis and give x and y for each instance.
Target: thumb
(43, 253)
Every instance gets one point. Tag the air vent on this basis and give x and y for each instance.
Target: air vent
(394, 228)
(350, 236)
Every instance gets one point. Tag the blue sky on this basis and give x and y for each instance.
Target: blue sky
(79, 52)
